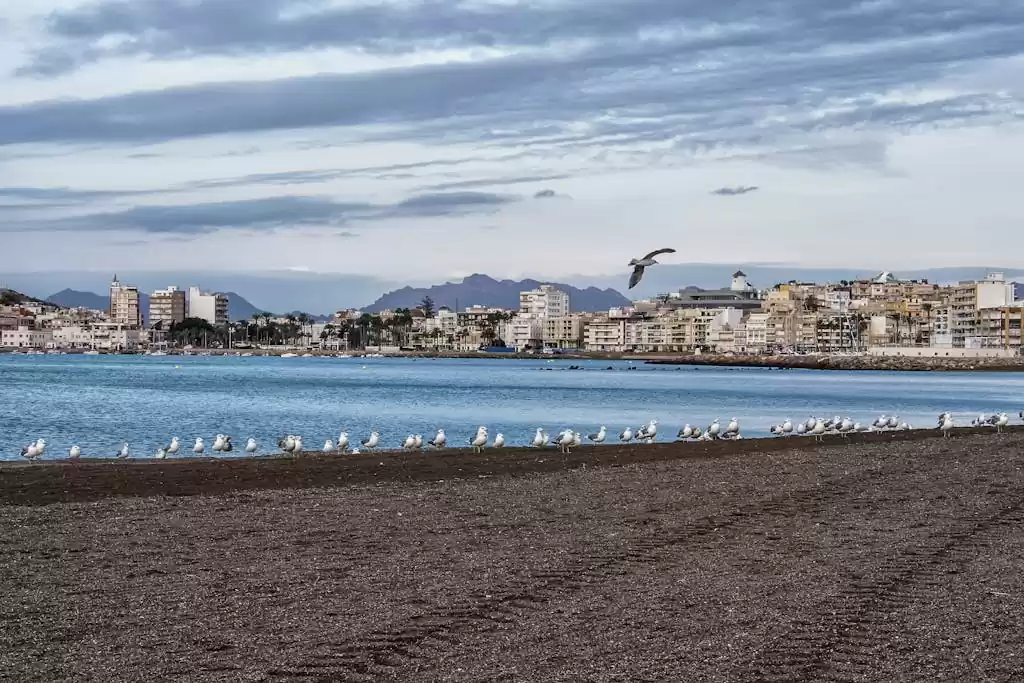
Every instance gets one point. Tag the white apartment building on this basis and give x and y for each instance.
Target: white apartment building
(608, 335)
(544, 302)
(213, 308)
(167, 306)
(564, 332)
(24, 337)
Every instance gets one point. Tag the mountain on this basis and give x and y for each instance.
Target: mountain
(10, 297)
(486, 291)
(238, 307)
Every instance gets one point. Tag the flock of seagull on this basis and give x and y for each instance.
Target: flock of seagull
(565, 440)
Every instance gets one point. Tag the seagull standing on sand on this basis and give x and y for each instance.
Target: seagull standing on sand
(250, 445)
(787, 427)
(651, 431)
(1002, 419)
(640, 264)
(175, 445)
(409, 442)
(342, 442)
(218, 443)
(714, 429)
(499, 440)
(123, 453)
(480, 440)
(599, 437)
(297, 445)
(626, 435)
(564, 441)
(439, 439)
(328, 446)
(947, 425)
(538, 438)
(227, 447)
(161, 453)
(685, 433)
(199, 447)
(417, 441)
(372, 442)
(75, 453)
(733, 428)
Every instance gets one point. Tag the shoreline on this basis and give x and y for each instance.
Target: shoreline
(775, 362)
(59, 481)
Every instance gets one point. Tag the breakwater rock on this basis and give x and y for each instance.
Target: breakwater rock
(862, 362)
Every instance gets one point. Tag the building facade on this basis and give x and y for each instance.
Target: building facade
(213, 308)
(125, 304)
(167, 306)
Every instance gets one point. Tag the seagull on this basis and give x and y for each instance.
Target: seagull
(123, 453)
(564, 440)
(894, 421)
(818, 430)
(218, 443)
(342, 444)
(409, 443)
(733, 428)
(626, 435)
(297, 445)
(651, 431)
(328, 446)
(161, 453)
(40, 448)
(882, 422)
(538, 438)
(599, 437)
(175, 445)
(714, 429)
(685, 433)
(479, 441)
(775, 430)
(1002, 419)
(199, 447)
(417, 441)
(787, 427)
(287, 444)
(640, 264)
(801, 428)
(372, 442)
(499, 440)
(947, 425)
(575, 440)
(250, 445)
(75, 453)
(439, 439)
(227, 447)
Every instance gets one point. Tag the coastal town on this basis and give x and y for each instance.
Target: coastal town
(880, 315)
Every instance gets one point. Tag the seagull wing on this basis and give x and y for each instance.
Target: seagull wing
(638, 272)
(659, 251)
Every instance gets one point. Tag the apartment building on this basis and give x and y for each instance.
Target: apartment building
(125, 304)
(213, 308)
(167, 306)
(546, 301)
(24, 337)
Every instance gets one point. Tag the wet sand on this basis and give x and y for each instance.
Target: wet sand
(893, 558)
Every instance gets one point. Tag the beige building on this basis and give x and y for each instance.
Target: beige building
(545, 302)
(167, 306)
(125, 304)
(26, 338)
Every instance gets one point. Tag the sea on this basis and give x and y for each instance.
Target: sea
(100, 402)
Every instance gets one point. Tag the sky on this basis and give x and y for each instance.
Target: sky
(424, 141)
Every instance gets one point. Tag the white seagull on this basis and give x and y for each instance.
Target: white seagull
(75, 453)
(218, 443)
(439, 439)
(250, 445)
(342, 442)
(372, 442)
(787, 427)
(417, 441)
(947, 425)
(123, 453)
(600, 436)
(499, 440)
(818, 430)
(175, 445)
(409, 443)
(161, 453)
(199, 447)
(538, 438)
(714, 429)
(480, 440)
(328, 446)
(626, 435)
(640, 264)
(685, 433)
(1002, 419)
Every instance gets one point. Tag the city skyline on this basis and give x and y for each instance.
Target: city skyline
(428, 141)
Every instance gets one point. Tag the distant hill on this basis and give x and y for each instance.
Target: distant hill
(238, 307)
(486, 291)
(10, 297)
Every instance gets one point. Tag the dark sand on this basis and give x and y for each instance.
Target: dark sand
(892, 559)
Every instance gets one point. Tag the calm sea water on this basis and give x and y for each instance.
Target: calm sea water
(99, 402)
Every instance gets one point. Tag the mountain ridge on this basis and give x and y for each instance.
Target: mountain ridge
(483, 290)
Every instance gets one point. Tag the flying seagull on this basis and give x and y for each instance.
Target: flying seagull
(640, 264)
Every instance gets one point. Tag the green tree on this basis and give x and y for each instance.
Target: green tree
(427, 306)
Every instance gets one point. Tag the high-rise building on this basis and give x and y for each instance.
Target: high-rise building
(544, 302)
(124, 304)
(212, 308)
(167, 306)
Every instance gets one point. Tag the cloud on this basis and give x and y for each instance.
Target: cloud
(491, 182)
(266, 214)
(733, 191)
(620, 73)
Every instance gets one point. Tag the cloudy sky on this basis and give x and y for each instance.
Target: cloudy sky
(424, 140)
